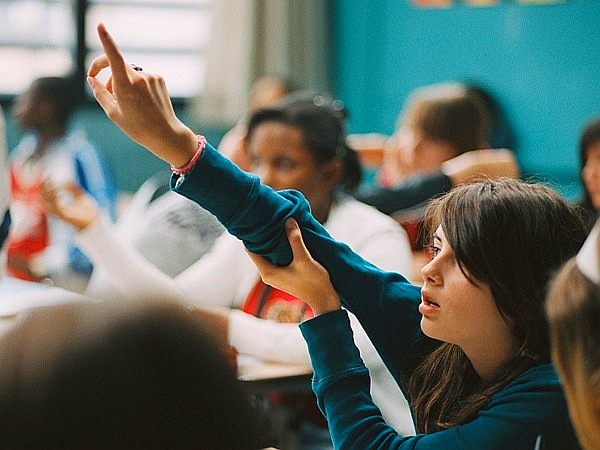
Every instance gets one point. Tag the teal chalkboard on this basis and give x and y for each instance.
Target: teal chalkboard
(542, 62)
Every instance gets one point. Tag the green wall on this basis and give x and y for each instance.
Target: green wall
(542, 62)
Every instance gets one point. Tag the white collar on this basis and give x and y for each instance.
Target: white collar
(588, 260)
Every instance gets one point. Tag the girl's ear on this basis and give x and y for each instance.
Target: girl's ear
(333, 172)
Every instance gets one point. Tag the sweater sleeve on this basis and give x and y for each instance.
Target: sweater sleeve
(256, 214)
(530, 406)
(121, 267)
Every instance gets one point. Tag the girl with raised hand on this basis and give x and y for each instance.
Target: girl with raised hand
(298, 144)
(470, 349)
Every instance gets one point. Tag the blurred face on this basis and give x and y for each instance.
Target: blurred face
(417, 153)
(281, 160)
(457, 311)
(29, 110)
(591, 174)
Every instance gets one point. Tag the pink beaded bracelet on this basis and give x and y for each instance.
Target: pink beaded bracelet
(192, 162)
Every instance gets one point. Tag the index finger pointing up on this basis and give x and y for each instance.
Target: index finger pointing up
(115, 59)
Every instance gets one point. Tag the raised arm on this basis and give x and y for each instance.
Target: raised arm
(139, 104)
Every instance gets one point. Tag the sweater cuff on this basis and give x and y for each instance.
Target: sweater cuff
(330, 344)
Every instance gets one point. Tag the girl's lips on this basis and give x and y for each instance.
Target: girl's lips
(427, 306)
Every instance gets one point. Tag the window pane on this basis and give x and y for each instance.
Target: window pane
(20, 66)
(169, 38)
(36, 38)
(155, 28)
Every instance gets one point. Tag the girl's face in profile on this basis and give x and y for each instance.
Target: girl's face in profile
(454, 309)
(591, 174)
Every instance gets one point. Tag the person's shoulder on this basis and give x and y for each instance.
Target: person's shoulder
(536, 382)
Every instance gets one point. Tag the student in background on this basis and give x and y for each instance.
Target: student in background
(121, 375)
(40, 248)
(299, 144)
(17, 295)
(589, 156)
(470, 348)
(573, 310)
(438, 122)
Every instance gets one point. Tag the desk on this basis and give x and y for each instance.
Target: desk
(263, 378)
(266, 376)
(17, 296)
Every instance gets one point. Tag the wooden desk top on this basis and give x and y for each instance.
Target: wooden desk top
(268, 376)
(254, 369)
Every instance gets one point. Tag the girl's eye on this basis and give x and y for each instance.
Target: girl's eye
(285, 164)
(433, 250)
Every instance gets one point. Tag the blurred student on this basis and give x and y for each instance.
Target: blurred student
(573, 310)
(40, 248)
(437, 123)
(589, 157)
(17, 295)
(431, 112)
(119, 375)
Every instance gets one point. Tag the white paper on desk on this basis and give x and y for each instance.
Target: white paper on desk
(17, 296)
(251, 368)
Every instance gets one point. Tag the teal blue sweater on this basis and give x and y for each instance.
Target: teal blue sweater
(386, 304)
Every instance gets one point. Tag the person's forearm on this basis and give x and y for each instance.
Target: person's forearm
(257, 215)
(267, 339)
(127, 270)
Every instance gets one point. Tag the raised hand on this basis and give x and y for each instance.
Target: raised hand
(70, 203)
(139, 104)
(304, 278)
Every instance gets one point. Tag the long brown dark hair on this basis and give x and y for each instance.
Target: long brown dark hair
(512, 236)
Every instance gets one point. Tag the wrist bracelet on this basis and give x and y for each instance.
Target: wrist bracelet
(192, 162)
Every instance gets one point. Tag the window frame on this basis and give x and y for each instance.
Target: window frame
(80, 51)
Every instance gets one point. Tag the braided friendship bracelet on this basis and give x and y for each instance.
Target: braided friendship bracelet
(192, 162)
